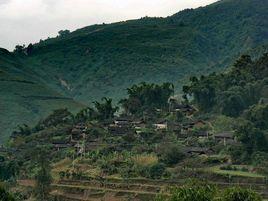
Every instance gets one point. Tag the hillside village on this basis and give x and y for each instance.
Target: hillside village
(83, 142)
(154, 109)
(154, 137)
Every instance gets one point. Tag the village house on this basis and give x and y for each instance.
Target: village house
(60, 145)
(202, 134)
(78, 132)
(138, 123)
(175, 127)
(161, 125)
(199, 124)
(122, 121)
(80, 149)
(225, 137)
(187, 127)
(183, 108)
(94, 144)
(119, 130)
(121, 126)
(81, 126)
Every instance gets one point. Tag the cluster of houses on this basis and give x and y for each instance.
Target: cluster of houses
(126, 125)
(199, 128)
(76, 138)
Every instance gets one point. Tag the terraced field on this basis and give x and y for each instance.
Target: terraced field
(119, 190)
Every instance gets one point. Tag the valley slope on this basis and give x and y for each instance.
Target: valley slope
(24, 98)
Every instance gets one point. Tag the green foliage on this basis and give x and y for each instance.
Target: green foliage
(64, 33)
(232, 102)
(85, 115)
(146, 97)
(19, 49)
(258, 115)
(252, 138)
(260, 159)
(57, 117)
(202, 191)
(157, 170)
(171, 154)
(5, 196)
(43, 177)
(23, 130)
(105, 110)
(194, 191)
(203, 92)
(233, 91)
(240, 194)
(8, 170)
(29, 49)
(62, 174)
(223, 123)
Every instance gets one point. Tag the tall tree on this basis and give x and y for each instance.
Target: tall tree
(252, 138)
(146, 96)
(43, 177)
(105, 109)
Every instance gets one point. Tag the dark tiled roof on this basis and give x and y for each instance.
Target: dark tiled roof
(225, 134)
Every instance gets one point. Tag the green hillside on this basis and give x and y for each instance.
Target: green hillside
(104, 60)
(23, 97)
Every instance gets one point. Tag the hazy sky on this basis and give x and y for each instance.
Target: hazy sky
(25, 21)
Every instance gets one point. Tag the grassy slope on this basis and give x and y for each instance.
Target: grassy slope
(24, 98)
(102, 60)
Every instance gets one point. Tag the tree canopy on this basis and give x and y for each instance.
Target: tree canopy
(144, 97)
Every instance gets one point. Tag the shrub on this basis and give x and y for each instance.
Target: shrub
(201, 191)
(259, 159)
(171, 155)
(128, 171)
(240, 194)
(5, 196)
(68, 174)
(195, 191)
(244, 169)
(109, 168)
(62, 174)
(156, 171)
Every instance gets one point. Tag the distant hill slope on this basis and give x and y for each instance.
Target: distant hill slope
(23, 97)
(103, 60)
